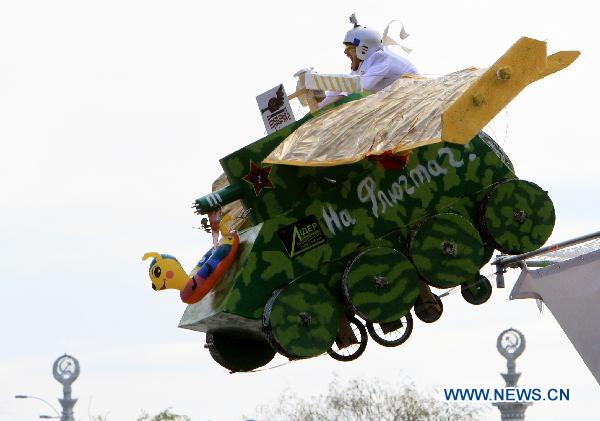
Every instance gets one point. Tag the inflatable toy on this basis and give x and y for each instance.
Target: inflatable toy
(166, 271)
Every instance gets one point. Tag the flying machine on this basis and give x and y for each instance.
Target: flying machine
(345, 219)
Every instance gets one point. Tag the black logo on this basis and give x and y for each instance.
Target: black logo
(301, 236)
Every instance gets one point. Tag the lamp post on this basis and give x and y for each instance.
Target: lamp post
(66, 370)
(39, 399)
(511, 344)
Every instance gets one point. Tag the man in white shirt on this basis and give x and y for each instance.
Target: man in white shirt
(377, 65)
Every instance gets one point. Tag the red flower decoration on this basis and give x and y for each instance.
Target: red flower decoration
(259, 178)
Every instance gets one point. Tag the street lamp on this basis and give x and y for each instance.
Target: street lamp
(39, 399)
(66, 370)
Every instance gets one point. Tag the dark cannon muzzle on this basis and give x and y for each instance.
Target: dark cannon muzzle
(216, 199)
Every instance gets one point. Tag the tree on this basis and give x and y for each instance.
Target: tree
(361, 399)
(165, 415)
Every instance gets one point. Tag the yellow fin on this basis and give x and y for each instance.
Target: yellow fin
(558, 61)
(520, 65)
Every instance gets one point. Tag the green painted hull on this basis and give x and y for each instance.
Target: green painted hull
(310, 223)
(367, 206)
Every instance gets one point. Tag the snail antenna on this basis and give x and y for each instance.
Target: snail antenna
(154, 255)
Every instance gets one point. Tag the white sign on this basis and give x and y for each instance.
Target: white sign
(275, 109)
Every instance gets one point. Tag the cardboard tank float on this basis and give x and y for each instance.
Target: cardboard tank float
(338, 224)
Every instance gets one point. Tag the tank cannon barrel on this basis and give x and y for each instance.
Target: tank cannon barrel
(219, 198)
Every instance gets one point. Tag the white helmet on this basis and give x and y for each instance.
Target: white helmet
(363, 38)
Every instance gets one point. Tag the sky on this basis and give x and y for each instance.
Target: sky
(113, 116)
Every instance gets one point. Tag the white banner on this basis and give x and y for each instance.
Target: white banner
(571, 290)
(334, 83)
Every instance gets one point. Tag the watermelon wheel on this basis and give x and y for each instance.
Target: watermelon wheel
(380, 285)
(392, 333)
(301, 320)
(238, 352)
(478, 291)
(357, 342)
(446, 249)
(517, 216)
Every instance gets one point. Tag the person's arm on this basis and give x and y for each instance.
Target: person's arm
(331, 97)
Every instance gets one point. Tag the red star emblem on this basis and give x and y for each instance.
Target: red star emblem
(259, 178)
